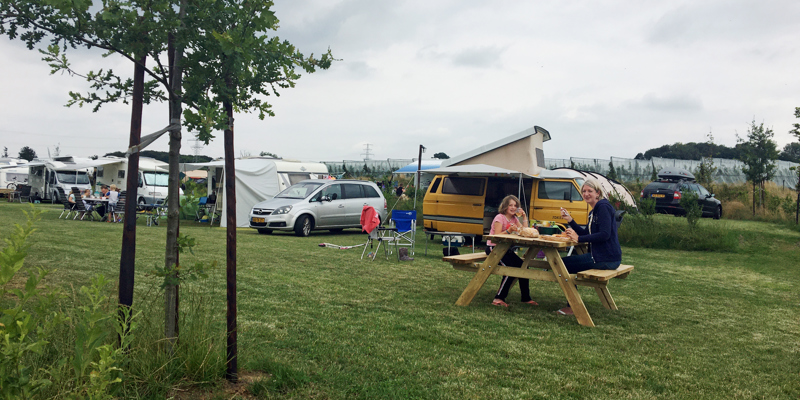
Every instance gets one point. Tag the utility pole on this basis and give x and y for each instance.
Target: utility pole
(419, 167)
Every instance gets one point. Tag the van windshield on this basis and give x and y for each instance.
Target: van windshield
(299, 191)
(156, 178)
(73, 177)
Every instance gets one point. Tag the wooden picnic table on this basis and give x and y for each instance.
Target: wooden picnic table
(551, 270)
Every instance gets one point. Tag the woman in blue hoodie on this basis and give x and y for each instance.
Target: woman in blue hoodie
(601, 234)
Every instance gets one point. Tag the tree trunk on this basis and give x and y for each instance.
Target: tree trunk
(127, 261)
(232, 372)
(171, 261)
(797, 205)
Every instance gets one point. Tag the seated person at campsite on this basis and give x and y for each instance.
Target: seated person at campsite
(86, 195)
(71, 198)
(101, 209)
(601, 234)
(507, 221)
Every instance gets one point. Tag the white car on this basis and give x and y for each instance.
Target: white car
(318, 204)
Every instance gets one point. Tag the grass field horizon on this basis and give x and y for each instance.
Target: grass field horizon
(699, 325)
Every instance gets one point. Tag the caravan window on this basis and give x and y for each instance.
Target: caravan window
(558, 191)
(297, 178)
(156, 178)
(464, 186)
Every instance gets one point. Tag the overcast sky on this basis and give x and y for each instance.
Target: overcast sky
(606, 78)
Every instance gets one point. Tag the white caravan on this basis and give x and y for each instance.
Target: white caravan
(153, 178)
(13, 172)
(257, 179)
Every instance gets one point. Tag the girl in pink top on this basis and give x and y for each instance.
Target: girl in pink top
(510, 218)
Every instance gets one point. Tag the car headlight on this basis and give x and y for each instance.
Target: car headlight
(282, 210)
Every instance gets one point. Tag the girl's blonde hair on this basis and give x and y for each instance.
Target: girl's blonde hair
(594, 184)
(505, 203)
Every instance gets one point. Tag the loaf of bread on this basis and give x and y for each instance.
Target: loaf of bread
(529, 232)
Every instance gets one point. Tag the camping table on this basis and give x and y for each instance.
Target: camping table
(448, 235)
(94, 202)
(557, 271)
(8, 193)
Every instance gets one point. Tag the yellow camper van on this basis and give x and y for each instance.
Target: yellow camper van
(467, 201)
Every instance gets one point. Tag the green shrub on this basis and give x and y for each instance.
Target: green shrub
(640, 231)
(691, 207)
(647, 207)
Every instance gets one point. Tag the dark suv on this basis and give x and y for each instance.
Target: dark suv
(669, 189)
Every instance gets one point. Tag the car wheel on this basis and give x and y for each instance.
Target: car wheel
(336, 230)
(303, 226)
(265, 231)
(718, 213)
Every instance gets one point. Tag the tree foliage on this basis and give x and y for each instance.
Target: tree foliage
(759, 155)
(441, 156)
(163, 156)
(27, 153)
(790, 152)
(268, 154)
(692, 151)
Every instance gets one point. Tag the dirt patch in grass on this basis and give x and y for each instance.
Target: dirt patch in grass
(226, 390)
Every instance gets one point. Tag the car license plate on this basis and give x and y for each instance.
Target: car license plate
(657, 196)
(258, 220)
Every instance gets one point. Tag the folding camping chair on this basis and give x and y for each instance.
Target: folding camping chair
(201, 208)
(405, 229)
(68, 207)
(376, 233)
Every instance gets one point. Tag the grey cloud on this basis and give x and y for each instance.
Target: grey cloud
(680, 103)
(723, 20)
(477, 57)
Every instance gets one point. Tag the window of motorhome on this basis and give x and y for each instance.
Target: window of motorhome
(100, 172)
(156, 178)
(463, 186)
(558, 191)
(73, 177)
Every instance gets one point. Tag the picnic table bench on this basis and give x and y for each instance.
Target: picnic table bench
(550, 269)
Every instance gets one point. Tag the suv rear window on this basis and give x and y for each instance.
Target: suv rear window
(464, 186)
(661, 185)
(370, 191)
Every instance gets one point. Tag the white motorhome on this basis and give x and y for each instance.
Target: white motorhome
(153, 178)
(13, 172)
(46, 175)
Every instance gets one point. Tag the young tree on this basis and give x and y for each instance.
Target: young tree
(796, 132)
(612, 172)
(241, 64)
(705, 171)
(759, 155)
(27, 153)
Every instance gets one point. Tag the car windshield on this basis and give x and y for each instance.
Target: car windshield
(156, 178)
(298, 191)
(74, 177)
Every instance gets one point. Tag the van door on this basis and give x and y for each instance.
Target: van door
(430, 204)
(329, 213)
(460, 205)
(552, 194)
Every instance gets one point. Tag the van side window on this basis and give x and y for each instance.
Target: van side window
(463, 186)
(435, 185)
(558, 191)
(334, 192)
(370, 191)
(352, 191)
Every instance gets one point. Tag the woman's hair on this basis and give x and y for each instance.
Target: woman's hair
(594, 184)
(504, 204)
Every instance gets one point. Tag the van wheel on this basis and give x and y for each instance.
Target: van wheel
(141, 203)
(265, 231)
(55, 198)
(303, 226)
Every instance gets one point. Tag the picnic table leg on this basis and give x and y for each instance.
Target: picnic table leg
(568, 287)
(605, 297)
(483, 273)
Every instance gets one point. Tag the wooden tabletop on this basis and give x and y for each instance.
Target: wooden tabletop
(542, 241)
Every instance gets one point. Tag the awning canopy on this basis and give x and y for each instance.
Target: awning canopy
(476, 170)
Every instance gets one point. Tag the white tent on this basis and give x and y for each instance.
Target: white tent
(257, 179)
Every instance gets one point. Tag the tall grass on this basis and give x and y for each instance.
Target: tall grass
(667, 232)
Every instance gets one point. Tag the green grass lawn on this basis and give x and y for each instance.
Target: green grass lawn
(690, 325)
